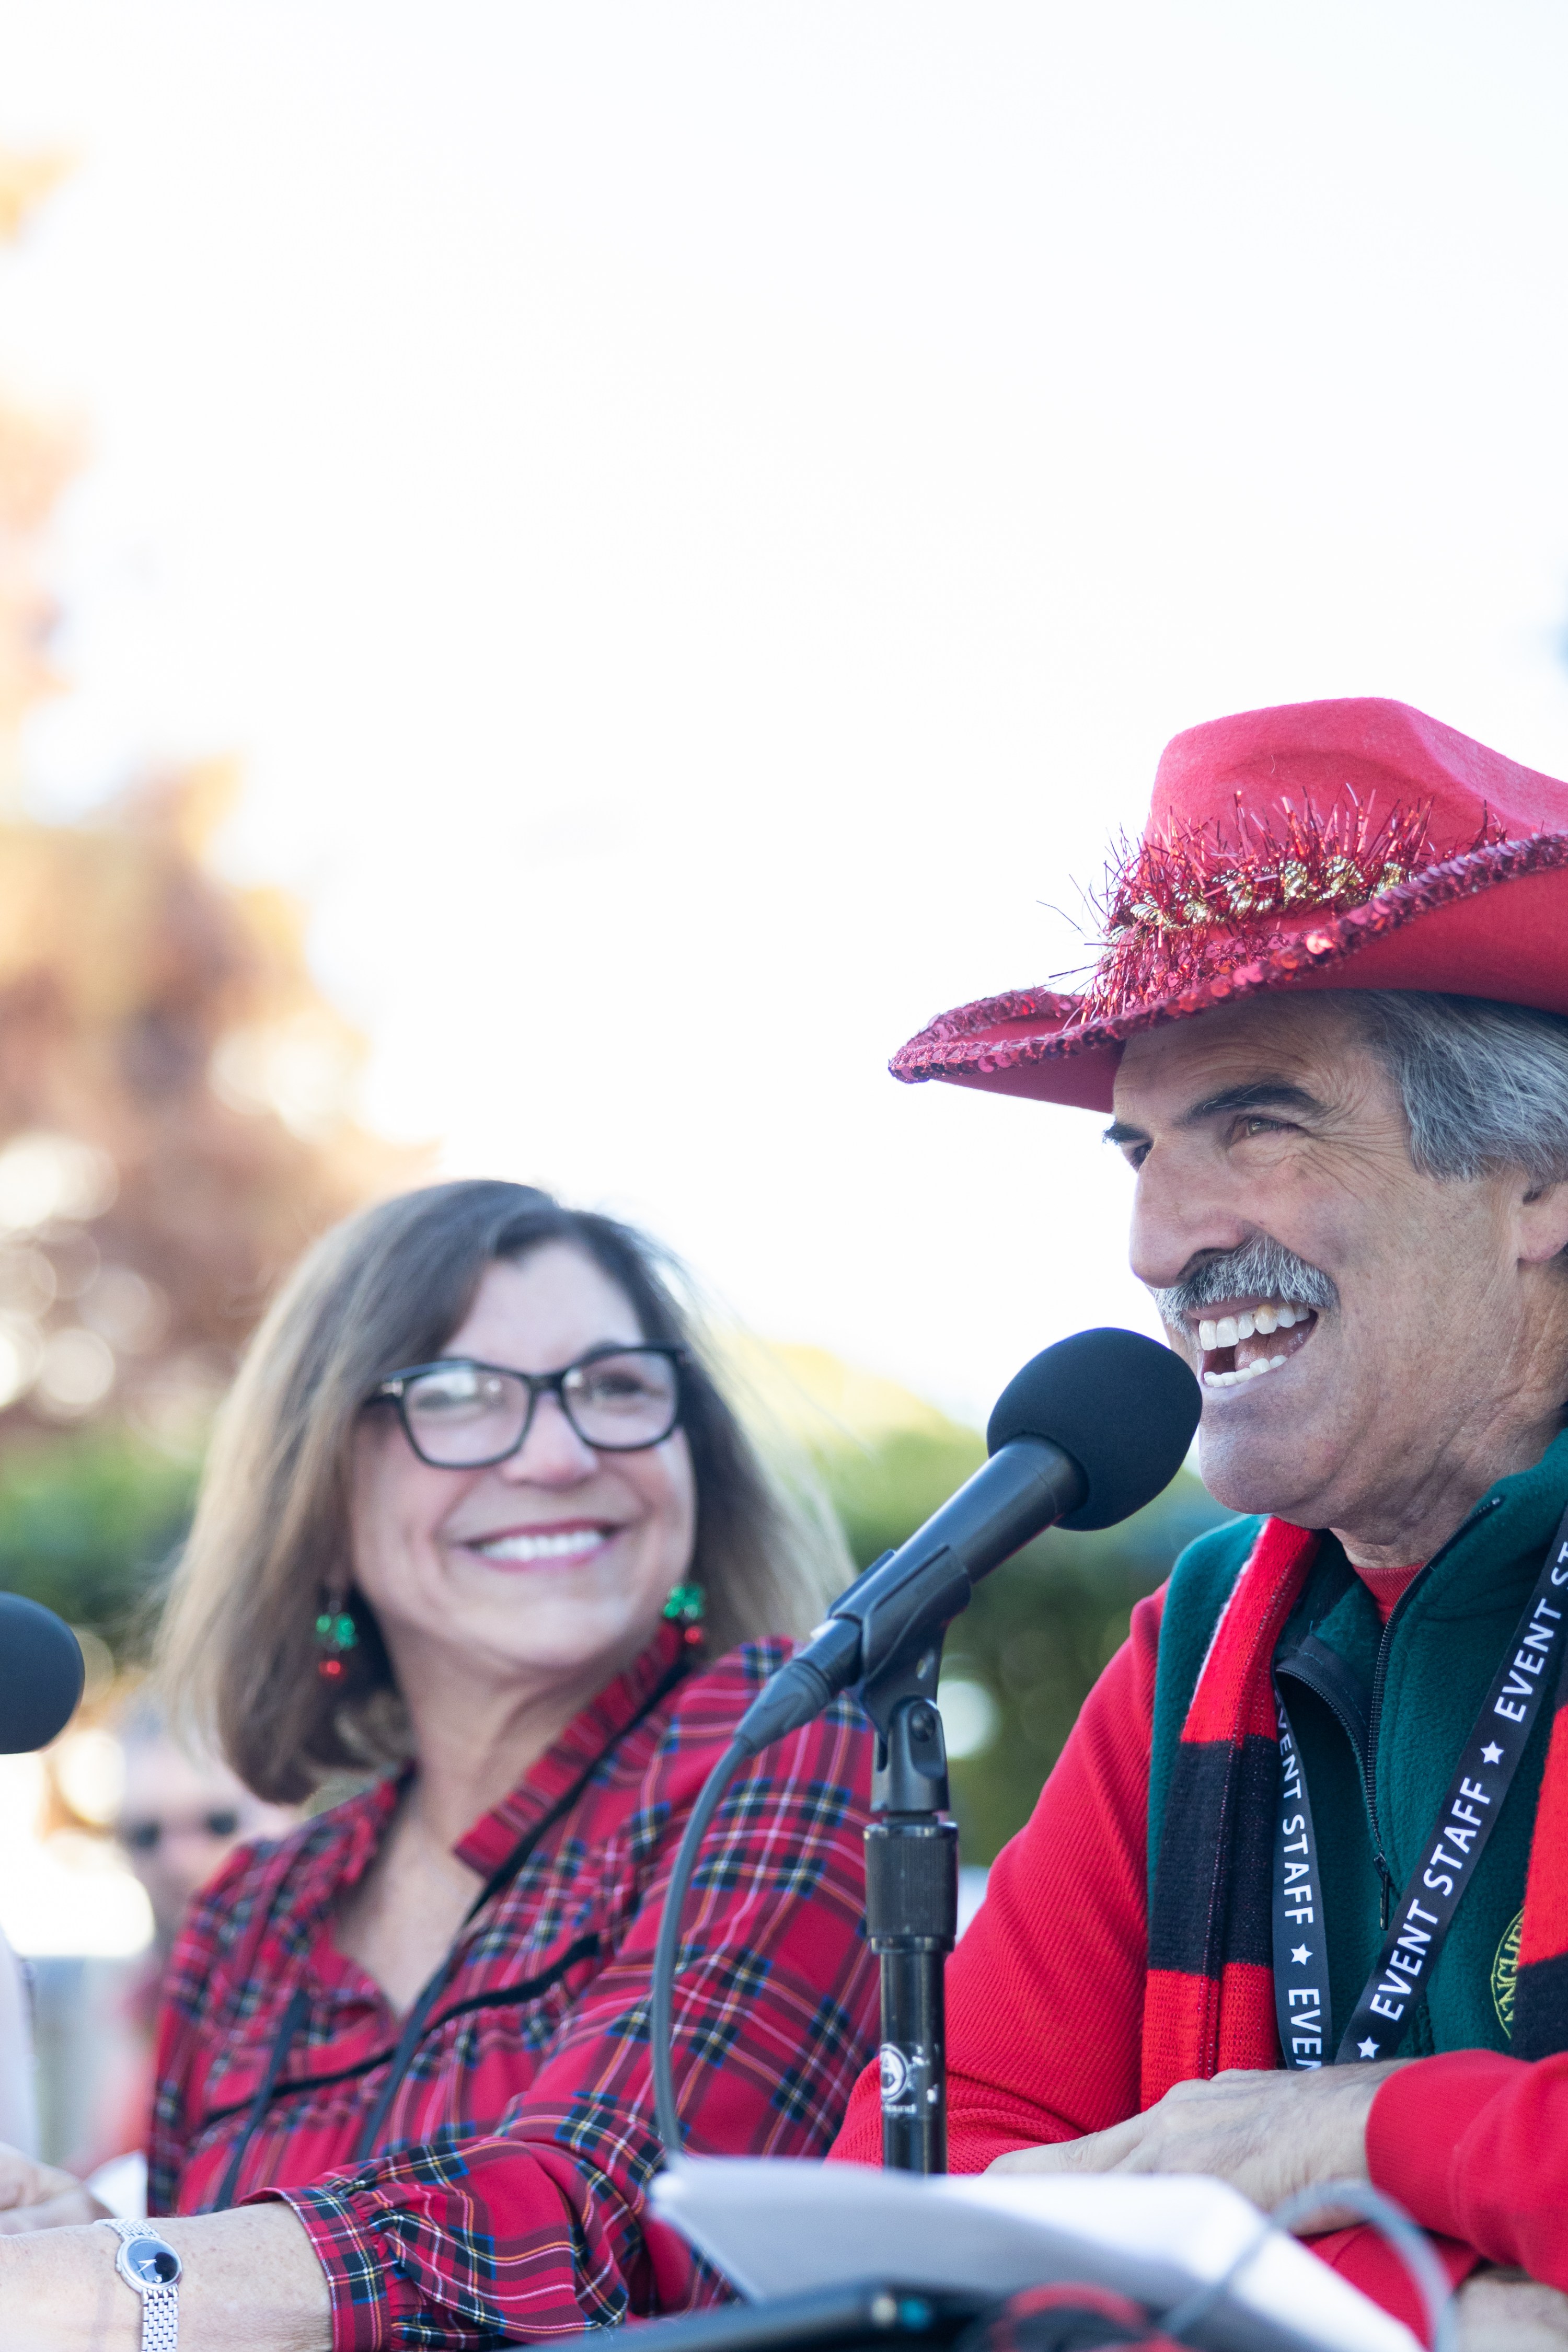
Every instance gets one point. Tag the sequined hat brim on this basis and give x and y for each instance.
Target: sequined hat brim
(1491, 921)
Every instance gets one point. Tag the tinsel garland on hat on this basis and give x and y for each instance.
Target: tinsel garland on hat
(1181, 907)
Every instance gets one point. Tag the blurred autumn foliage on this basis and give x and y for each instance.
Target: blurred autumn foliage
(38, 456)
(173, 1120)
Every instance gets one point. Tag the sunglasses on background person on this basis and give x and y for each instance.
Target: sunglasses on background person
(147, 1836)
(460, 1414)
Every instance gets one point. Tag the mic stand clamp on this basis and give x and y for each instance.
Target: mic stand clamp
(911, 1903)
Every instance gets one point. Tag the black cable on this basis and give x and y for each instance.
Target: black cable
(661, 2000)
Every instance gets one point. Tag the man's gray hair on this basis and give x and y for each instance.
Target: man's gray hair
(1484, 1085)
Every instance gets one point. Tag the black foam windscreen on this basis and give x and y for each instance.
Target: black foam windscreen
(1124, 1408)
(41, 1675)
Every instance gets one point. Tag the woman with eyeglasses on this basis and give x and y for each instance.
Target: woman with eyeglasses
(478, 1522)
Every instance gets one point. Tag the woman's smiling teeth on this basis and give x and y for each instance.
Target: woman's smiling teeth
(552, 1544)
(1251, 1325)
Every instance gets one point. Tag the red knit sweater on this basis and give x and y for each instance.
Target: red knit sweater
(1046, 2009)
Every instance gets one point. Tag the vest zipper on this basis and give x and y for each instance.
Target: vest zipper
(1363, 1742)
(1302, 1670)
(1374, 1712)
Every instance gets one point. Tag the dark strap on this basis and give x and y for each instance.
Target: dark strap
(1300, 1958)
(1459, 1837)
(293, 2018)
(408, 2042)
(418, 2022)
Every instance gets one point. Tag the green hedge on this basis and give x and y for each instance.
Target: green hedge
(88, 1523)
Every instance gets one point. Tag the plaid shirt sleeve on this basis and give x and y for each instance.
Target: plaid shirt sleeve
(538, 2228)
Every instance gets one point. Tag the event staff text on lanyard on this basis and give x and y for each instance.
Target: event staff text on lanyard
(1465, 1822)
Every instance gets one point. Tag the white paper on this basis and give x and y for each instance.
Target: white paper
(784, 2227)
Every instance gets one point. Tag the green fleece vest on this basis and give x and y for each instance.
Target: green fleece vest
(1434, 1663)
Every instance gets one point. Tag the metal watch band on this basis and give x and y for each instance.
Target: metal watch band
(160, 2302)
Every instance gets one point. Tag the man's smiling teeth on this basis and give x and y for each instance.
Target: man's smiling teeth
(1236, 1380)
(572, 1543)
(1230, 1328)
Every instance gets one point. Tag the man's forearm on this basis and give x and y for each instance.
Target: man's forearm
(252, 2284)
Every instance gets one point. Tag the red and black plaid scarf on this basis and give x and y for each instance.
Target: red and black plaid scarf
(1209, 1995)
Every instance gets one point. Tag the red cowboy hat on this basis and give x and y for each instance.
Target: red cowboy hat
(1323, 844)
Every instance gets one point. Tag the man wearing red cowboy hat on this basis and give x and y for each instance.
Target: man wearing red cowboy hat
(1293, 1906)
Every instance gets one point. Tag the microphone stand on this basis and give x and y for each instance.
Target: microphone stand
(911, 1903)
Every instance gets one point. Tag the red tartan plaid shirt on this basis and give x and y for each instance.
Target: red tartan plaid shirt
(504, 2197)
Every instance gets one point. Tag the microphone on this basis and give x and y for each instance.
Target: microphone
(1086, 1433)
(41, 1675)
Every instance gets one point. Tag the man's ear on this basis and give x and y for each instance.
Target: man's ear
(1543, 1223)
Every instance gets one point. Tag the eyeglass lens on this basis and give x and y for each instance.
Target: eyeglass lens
(463, 1414)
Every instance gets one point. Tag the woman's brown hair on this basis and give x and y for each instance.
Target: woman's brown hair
(270, 1538)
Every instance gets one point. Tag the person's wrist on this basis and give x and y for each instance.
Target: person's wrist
(58, 2293)
(151, 2270)
(1364, 2094)
(1352, 2093)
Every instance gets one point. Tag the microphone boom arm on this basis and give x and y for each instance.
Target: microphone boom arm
(914, 1593)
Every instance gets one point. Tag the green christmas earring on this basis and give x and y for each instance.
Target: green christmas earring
(336, 1635)
(686, 1607)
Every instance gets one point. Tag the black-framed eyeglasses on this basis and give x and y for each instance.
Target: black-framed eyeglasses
(460, 1414)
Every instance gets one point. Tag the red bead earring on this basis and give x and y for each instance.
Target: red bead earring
(686, 1607)
(336, 1634)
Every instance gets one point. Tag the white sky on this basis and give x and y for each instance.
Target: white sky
(699, 518)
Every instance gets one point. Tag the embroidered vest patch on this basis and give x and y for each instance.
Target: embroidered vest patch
(1505, 1973)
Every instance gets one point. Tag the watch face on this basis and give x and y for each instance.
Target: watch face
(153, 2263)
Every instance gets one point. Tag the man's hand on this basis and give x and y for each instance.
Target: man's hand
(34, 2195)
(1503, 2311)
(1269, 2133)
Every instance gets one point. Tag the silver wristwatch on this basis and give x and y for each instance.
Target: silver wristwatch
(147, 2262)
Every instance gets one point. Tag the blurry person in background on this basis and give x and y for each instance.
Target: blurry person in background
(18, 2100)
(181, 1816)
(476, 1515)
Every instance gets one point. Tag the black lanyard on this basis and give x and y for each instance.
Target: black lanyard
(1465, 1822)
(420, 2022)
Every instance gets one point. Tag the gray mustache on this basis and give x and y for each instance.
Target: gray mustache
(1260, 1268)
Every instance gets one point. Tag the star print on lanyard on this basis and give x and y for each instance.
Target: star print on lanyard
(1465, 1819)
